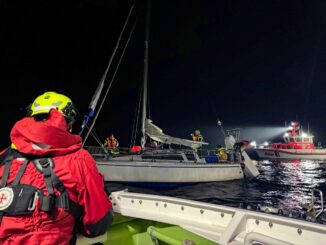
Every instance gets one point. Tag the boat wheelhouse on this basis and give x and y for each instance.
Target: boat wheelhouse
(296, 139)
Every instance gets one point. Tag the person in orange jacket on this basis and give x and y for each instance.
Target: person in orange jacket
(54, 180)
(112, 143)
(197, 136)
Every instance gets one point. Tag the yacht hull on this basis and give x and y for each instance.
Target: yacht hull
(161, 173)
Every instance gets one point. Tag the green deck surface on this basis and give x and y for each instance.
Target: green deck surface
(131, 231)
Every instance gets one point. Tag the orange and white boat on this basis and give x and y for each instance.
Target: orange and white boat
(297, 145)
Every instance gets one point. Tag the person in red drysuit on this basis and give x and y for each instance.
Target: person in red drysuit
(46, 134)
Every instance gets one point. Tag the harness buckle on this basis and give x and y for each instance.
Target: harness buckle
(32, 205)
(65, 201)
(43, 163)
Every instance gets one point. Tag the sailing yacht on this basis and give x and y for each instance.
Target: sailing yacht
(167, 167)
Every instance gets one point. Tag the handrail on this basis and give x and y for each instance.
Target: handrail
(321, 201)
(254, 238)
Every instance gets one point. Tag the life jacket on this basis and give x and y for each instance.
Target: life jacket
(22, 199)
(221, 153)
(108, 141)
(114, 143)
(198, 138)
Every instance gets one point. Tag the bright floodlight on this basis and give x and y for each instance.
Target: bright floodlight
(292, 123)
(303, 134)
(266, 143)
(290, 128)
(286, 134)
(253, 143)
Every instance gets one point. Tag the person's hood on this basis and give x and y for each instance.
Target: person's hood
(42, 138)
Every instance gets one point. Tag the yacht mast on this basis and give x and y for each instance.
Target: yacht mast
(143, 139)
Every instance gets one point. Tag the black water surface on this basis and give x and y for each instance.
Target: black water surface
(281, 183)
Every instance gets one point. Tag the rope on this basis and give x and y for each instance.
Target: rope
(134, 128)
(97, 139)
(109, 65)
(111, 82)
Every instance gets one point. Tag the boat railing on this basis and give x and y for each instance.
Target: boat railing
(99, 152)
(96, 151)
(187, 154)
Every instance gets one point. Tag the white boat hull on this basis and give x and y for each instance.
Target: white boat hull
(160, 172)
(220, 224)
(315, 154)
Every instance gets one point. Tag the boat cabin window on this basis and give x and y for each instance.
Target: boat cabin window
(298, 139)
(306, 139)
(190, 156)
(176, 157)
(291, 139)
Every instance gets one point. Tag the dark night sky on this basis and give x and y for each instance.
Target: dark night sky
(250, 63)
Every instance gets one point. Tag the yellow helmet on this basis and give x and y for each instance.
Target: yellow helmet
(44, 103)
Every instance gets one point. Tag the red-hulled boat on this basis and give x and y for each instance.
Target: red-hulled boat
(297, 145)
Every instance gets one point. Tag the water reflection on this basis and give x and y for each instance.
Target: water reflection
(295, 180)
(281, 183)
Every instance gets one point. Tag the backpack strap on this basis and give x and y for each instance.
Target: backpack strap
(63, 201)
(5, 173)
(6, 158)
(4, 155)
(45, 166)
(20, 173)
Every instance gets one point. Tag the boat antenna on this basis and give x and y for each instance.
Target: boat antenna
(219, 124)
(96, 96)
(110, 84)
(143, 138)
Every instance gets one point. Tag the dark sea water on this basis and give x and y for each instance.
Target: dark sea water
(280, 184)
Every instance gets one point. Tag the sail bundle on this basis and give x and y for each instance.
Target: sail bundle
(155, 133)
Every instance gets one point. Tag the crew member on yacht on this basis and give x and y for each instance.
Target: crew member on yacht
(239, 147)
(53, 179)
(197, 136)
(112, 143)
(221, 153)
